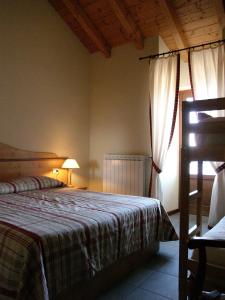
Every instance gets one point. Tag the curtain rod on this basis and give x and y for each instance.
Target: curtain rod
(179, 50)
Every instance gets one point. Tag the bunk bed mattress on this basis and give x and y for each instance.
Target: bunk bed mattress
(51, 239)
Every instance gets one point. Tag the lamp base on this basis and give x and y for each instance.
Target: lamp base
(69, 178)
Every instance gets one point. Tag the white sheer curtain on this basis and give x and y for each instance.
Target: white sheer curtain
(163, 90)
(208, 79)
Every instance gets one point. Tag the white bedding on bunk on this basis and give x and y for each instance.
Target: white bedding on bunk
(215, 256)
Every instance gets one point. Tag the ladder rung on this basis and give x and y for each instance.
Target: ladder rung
(208, 127)
(193, 231)
(215, 153)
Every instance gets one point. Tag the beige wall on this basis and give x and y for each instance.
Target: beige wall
(44, 83)
(48, 81)
(118, 105)
(119, 120)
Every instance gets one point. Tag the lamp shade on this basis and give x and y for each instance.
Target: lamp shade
(70, 163)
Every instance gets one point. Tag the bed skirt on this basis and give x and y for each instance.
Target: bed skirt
(92, 288)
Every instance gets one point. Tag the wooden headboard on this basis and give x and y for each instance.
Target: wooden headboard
(16, 163)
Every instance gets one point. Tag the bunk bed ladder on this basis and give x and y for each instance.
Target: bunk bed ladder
(186, 197)
(201, 153)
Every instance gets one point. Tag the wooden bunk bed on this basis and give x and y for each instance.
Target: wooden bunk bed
(206, 151)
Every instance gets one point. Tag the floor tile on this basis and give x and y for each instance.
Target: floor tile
(171, 243)
(170, 267)
(118, 292)
(169, 251)
(140, 294)
(137, 277)
(162, 284)
(157, 279)
(157, 261)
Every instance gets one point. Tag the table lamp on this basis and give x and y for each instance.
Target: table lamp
(70, 164)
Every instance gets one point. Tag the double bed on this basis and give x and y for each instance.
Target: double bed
(54, 239)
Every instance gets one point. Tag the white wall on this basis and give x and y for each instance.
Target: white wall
(119, 117)
(119, 120)
(44, 83)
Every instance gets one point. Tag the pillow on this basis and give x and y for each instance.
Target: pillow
(45, 182)
(203, 116)
(6, 188)
(29, 184)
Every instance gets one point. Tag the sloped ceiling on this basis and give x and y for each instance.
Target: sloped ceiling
(103, 24)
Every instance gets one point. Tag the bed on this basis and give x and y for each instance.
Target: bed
(65, 237)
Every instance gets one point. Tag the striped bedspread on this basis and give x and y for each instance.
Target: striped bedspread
(51, 239)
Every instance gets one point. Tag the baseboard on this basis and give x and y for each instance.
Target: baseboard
(174, 211)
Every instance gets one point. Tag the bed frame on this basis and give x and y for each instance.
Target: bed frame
(202, 153)
(92, 288)
(15, 163)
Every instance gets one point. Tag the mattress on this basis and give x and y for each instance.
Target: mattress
(51, 239)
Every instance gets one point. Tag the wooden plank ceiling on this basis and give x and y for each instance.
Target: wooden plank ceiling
(103, 24)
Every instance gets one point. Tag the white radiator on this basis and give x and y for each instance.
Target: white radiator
(126, 174)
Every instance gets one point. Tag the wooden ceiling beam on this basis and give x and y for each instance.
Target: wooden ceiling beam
(175, 26)
(86, 24)
(219, 6)
(127, 22)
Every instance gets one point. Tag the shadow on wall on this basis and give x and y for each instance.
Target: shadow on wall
(95, 180)
(93, 168)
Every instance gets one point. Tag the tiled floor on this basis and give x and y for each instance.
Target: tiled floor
(157, 280)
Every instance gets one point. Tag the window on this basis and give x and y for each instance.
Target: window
(207, 167)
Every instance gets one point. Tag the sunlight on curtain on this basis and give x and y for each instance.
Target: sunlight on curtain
(163, 81)
(208, 77)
